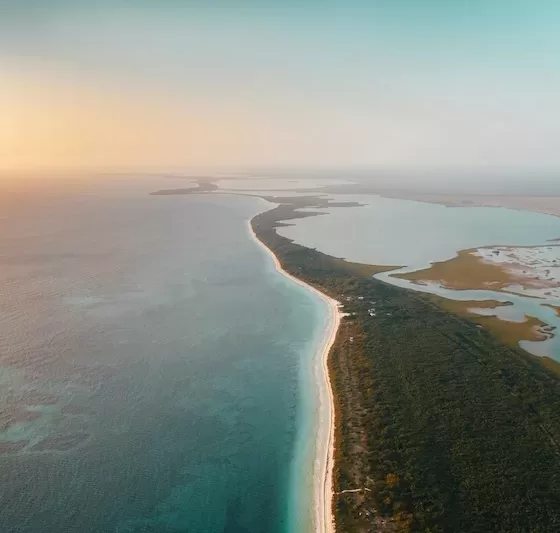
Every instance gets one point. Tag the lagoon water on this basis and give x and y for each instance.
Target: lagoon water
(240, 184)
(387, 231)
(154, 367)
(412, 235)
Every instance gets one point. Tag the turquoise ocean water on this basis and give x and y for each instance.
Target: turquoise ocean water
(155, 370)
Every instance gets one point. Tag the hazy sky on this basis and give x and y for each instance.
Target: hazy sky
(403, 83)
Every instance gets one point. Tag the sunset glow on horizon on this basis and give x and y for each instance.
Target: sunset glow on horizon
(353, 85)
(62, 123)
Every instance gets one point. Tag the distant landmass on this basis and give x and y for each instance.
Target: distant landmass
(202, 186)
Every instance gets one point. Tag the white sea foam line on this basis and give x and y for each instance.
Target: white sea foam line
(323, 482)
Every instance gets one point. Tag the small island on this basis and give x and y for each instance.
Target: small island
(202, 185)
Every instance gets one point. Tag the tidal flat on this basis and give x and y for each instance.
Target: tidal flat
(428, 239)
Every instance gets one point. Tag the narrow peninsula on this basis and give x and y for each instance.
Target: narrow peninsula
(439, 426)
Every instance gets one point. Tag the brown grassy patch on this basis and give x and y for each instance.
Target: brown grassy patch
(461, 307)
(508, 332)
(464, 272)
(513, 332)
(480, 304)
(555, 307)
(551, 364)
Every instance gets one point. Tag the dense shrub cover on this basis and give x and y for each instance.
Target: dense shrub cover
(440, 426)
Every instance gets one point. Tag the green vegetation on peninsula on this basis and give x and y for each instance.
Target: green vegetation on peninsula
(440, 427)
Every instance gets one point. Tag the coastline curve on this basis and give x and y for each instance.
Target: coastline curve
(324, 449)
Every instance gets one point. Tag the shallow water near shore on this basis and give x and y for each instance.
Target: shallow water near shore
(154, 366)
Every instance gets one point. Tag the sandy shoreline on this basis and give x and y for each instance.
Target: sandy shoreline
(323, 467)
